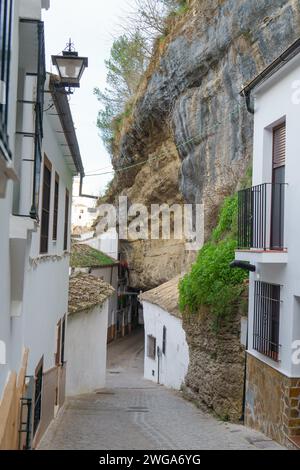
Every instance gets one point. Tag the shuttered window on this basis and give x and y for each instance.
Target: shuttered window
(45, 206)
(55, 208)
(66, 233)
(279, 145)
(151, 347)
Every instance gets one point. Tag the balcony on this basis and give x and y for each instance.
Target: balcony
(261, 224)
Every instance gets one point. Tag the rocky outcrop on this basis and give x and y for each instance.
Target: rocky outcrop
(189, 105)
(215, 377)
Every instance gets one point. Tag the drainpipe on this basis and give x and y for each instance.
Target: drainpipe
(80, 189)
(249, 104)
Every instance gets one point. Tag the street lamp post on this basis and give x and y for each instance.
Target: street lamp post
(70, 67)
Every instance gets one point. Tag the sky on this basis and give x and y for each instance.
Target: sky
(92, 26)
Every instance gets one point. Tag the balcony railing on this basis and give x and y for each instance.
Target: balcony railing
(5, 52)
(261, 217)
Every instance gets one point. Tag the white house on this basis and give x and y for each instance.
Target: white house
(269, 233)
(84, 211)
(166, 350)
(86, 259)
(39, 158)
(87, 333)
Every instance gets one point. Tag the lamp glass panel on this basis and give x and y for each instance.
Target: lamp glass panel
(69, 68)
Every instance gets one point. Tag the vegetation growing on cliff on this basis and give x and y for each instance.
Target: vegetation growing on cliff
(211, 282)
(130, 55)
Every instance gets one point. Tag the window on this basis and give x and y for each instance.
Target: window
(266, 319)
(164, 340)
(151, 345)
(45, 206)
(55, 207)
(278, 187)
(66, 233)
(5, 50)
(63, 336)
(38, 396)
(60, 342)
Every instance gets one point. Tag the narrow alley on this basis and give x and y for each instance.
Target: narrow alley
(132, 413)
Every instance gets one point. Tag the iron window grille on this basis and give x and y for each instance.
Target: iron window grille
(151, 347)
(266, 319)
(261, 217)
(38, 397)
(5, 54)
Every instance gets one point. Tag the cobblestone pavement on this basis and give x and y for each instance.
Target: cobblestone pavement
(132, 413)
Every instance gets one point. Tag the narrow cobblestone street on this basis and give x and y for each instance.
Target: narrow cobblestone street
(132, 413)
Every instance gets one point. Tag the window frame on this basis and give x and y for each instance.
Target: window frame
(66, 220)
(55, 207)
(266, 319)
(164, 341)
(47, 166)
(151, 347)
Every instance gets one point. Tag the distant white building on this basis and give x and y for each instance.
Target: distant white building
(269, 233)
(84, 210)
(87, 333)
(166, 350)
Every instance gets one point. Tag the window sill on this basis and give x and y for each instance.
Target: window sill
(265, 257)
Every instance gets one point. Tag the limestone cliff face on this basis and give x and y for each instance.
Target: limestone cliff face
(189, 119)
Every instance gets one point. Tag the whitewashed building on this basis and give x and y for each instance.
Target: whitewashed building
(269, 233)
(39, 158)
(84, 211)
(86, 259)
(87, 333)
(166, 350)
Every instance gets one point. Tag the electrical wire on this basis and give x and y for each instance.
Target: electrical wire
(179, 145)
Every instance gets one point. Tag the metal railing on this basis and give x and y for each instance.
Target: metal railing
(39, 109)
(5, 53)
(261, 217)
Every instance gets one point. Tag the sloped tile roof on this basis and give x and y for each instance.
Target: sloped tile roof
(165, 296)
(87, 291)
(84, 256)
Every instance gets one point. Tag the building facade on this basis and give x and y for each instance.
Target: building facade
(39, 158)
(87, 333)
(269, 232)
(86, 259)
(166, 349)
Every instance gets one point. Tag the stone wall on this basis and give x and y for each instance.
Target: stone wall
(272, 402)
(216, 371)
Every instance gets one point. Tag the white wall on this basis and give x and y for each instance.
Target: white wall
(110, 275)
(174, 364)
(274, 103)
(86, 350)
(106, 242)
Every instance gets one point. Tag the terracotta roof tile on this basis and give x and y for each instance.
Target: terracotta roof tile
(87, 291)
(165, 296)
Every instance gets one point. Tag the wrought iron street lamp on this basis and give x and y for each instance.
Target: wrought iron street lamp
(70, 67)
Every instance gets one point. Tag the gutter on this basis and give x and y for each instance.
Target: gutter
(60, 99)
(274, 67)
